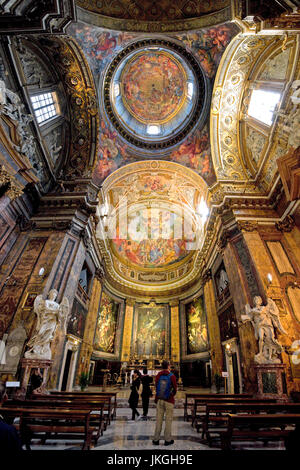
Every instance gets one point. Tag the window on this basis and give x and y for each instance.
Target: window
(153, 129)
(262, 105)
(44, 106)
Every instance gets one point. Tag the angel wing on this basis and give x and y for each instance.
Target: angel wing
(38, 307)
(64, 309)
(274, 314)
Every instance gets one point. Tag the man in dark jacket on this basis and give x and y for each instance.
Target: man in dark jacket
(164, 407)
(146, 392)
(9, 438)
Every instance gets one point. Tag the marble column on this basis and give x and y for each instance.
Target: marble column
(127, 330)
(213, 325)
(90, 325)
(175, 337)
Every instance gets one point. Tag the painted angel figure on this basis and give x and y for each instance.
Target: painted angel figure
(50, 314)
(265, 320)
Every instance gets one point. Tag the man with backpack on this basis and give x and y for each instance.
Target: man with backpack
(166, 388)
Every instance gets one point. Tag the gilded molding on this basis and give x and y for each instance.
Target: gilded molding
(12, 188)
(133, 25)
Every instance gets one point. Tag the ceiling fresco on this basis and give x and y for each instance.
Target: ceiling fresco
(162, 10)
(152, 230)
(100, 46)
(152, 240)
(153, 86)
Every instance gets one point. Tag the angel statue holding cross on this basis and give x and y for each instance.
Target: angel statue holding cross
(265, 321)
(50, 314)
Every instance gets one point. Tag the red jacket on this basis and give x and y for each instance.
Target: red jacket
(174, 385)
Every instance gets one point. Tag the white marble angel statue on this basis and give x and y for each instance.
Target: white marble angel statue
(265, 320)
(50, 314)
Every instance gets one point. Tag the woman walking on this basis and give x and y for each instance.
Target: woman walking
(134, 396)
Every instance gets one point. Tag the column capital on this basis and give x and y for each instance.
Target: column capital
(207, 276)
(286, 225)
(247, 225)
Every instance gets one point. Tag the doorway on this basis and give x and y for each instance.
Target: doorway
(66, 370)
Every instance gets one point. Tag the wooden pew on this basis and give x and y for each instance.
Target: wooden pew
(110, 408)
(113, 395)
(98, 419)
(256, 427)
(217, 413)
(190, 397)
(199, 404)
(73, 423)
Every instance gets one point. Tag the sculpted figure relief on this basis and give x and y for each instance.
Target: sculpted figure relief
(50, 314)
(265, 320)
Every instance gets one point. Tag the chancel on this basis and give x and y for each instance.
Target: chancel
(149, 214)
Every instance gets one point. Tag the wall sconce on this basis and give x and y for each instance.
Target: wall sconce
(228, 349)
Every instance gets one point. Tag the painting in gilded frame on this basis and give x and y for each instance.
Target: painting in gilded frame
(151, 322)
(106, 325)
(196, 327)
(77, 320)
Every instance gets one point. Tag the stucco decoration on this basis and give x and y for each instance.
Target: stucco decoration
(255, 144)
(276, 66)
(74, 72)
(229, 85)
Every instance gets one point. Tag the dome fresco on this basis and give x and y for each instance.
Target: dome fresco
(102, 46)
(153, 86)
(155, 93)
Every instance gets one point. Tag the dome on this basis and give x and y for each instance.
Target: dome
(155, 93)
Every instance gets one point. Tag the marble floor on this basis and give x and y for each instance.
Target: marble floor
(125, 434)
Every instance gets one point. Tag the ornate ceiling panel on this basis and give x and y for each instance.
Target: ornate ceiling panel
(154, 16)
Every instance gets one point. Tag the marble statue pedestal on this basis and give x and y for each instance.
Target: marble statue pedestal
(271, 381)
(28, 364)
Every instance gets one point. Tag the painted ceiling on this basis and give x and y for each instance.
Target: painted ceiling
(147, 10)
(162, 187)
(153, 86)
(100, 46)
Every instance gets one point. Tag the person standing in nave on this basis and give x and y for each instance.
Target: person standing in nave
(146, 392)
(166, 388)
(9, 437)
(134, 395)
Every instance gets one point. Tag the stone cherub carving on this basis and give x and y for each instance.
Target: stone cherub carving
(265, 319)
(50, 314)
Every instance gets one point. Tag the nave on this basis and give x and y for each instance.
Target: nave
(125, 434)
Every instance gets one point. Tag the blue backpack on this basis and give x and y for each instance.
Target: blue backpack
(164, 386)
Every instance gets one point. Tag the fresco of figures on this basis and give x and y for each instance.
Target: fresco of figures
(154, 87)
(106, 325)
(196, 326)
(100, 45)
(151, 328)
(151, 240)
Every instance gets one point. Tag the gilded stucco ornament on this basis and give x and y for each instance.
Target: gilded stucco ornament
(74, 71)
(229, 86)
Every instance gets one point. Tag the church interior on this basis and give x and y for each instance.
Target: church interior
(149, 210)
